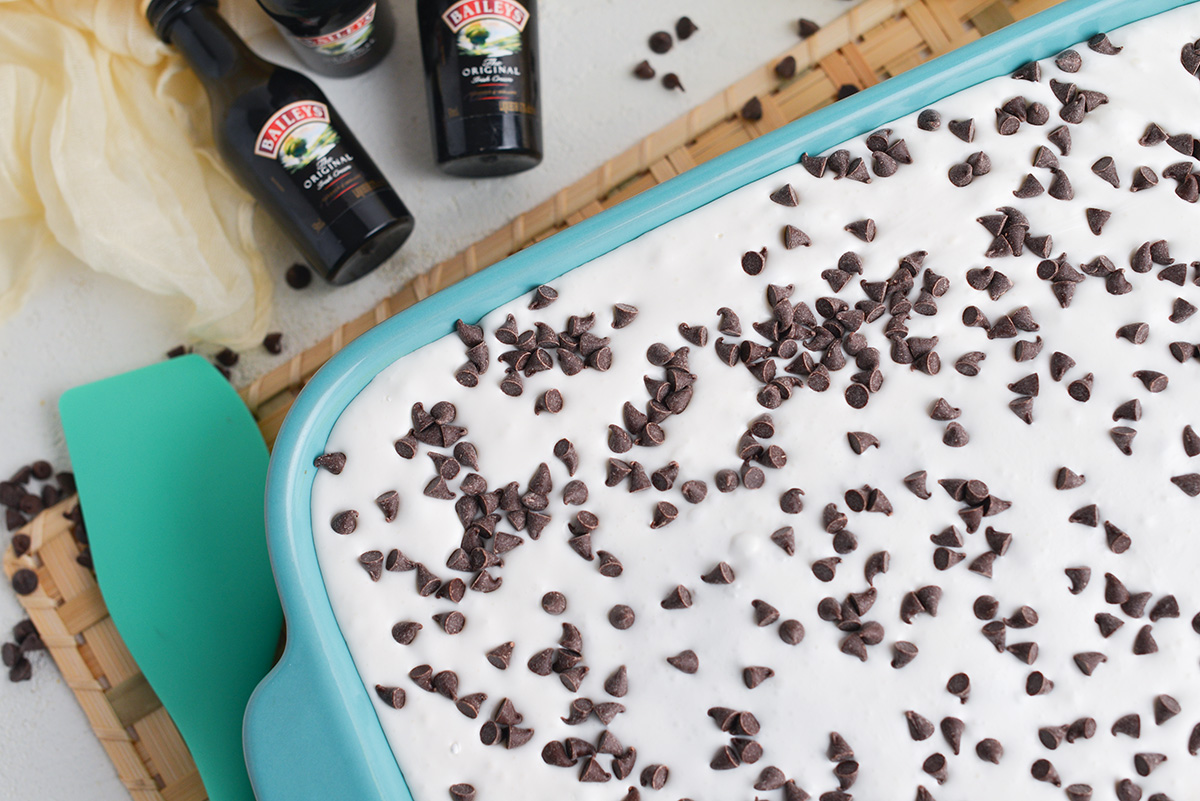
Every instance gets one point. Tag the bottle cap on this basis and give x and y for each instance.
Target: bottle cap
(162, 13)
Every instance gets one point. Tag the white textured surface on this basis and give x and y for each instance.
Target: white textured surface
(80, 327)
(683, 273)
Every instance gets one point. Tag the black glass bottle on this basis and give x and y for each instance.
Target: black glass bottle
(481, 75)
(335, 37)
(288, 146)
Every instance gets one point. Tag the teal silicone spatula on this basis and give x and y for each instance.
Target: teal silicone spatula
(171, 471)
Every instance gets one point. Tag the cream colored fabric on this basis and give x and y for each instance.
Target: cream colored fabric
(106, 151)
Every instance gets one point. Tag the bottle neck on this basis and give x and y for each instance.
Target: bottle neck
(213, 49)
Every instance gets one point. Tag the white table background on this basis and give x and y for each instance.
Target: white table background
(79, 327)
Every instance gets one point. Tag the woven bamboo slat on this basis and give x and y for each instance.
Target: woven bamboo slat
(126, 716)
(875, 40)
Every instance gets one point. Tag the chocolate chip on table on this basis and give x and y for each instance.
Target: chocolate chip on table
(298, 276)
(660, 42)
(752, 109)
(685, 661)
(684, 28)
(1152, 380)
(643, 70)
(394, 697)
(24, 581)
(929, 120)
(1189, 483)
(671, 81)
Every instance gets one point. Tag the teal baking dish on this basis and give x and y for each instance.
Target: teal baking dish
(311, 730)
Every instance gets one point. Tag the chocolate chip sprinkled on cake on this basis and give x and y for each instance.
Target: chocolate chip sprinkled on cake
(785, 196)
(333, 462)
(919, 727)
(1189, 483)
(462, 792)
(1037, 684)
(1043, 771)
(1030, 187)
(764, 613)
(1143, 178)
(1181, 310)
(955, 436)
(1165, 708)
(1101, 44)
(1122, 437)
(963, 129)
(756, 675)
(863, 229)
(1144, 643)
(345, 522)
(1128, 791)
(791, 632)
(1152, 380)
(685, 661)
(1096, 218)
(1029, 71)
(1129, 725)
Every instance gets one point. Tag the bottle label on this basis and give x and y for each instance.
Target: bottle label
(344, 44)
(492, 62)
(302, 138)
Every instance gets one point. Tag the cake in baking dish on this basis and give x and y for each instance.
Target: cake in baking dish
(877, 478)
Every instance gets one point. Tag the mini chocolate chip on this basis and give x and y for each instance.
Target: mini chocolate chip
(500, 656)
(1165, 708)
(791, 632)
(298, 276)
(1079, 577)
(394, 697)
(919, 727)
(678, 598)
(554, 602)
(333, 462)
(685, 661)
(344, 522)
(785, 539)
(1144, 643)
(660, 42)
(786, 67)
(1043, 771)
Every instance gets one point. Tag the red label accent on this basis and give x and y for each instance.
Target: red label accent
(461, 13)
(345, 33)
(284, 120)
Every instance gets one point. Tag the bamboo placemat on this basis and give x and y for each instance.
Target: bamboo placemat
(872, 42)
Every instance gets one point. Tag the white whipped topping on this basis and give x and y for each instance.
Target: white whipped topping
(684, 272)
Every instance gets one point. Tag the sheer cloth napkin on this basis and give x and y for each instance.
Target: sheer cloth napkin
(106, 153)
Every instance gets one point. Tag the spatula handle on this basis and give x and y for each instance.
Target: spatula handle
(311, 731)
